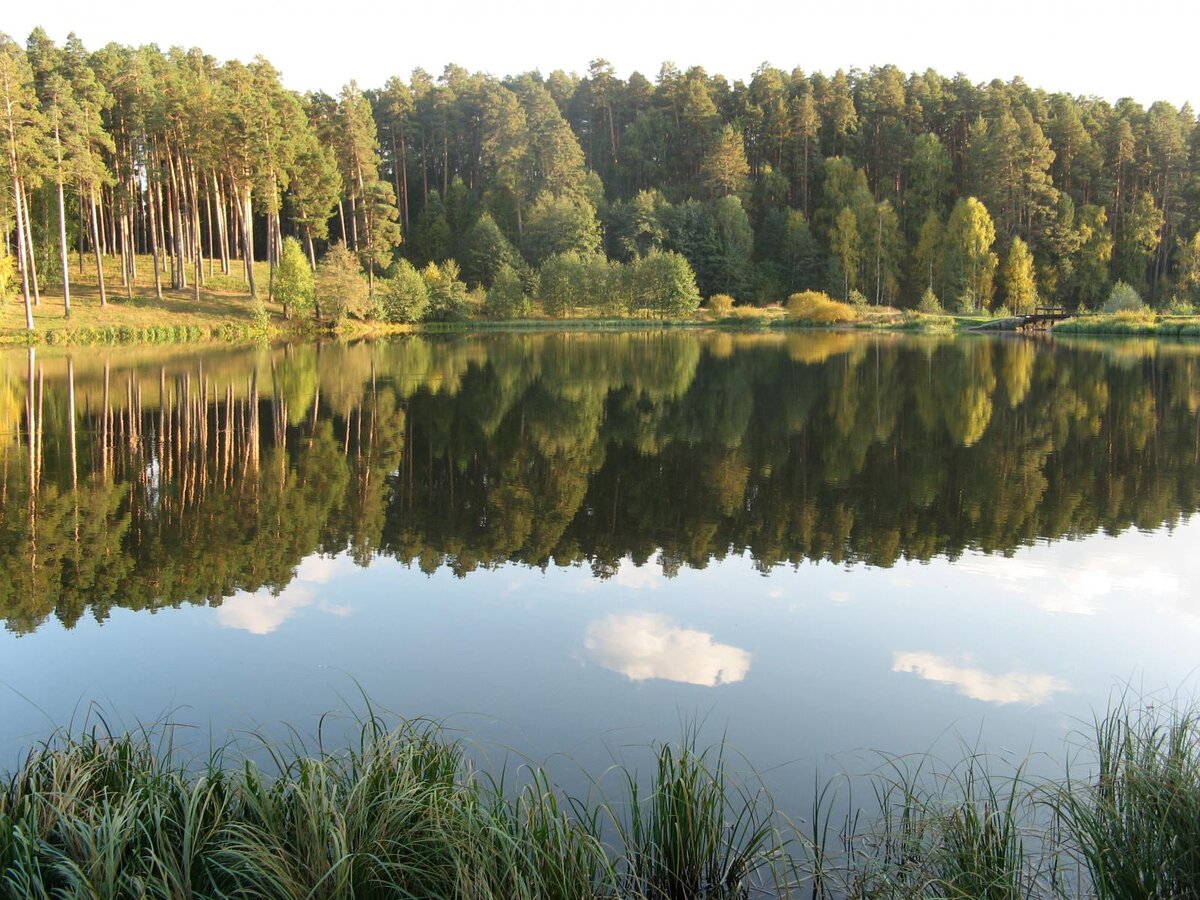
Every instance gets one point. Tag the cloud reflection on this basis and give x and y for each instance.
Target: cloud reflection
(1011, 687)
(642, 646)
(263, 612)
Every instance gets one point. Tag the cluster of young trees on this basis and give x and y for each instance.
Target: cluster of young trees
(133, 485)
(870, 185)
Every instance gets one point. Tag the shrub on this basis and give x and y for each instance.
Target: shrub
(506, 299)
(294, 284)
(858, 299)
(341, 288)
(1001, 312)
(966, 305)
(1180, 307)
(1123, 298)
(818, 308)
(930, 304)
(8, 278)
(448, 298)
(403, 295)
(720, 304)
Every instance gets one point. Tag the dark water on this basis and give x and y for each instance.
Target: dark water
(819, 545)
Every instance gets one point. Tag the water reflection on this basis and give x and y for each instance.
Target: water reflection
(148, 478)
(1031, 688)
(263, 611)
(642, 646)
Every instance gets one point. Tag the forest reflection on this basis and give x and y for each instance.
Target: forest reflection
(152, 478)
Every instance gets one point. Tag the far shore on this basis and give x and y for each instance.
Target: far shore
(226, 313)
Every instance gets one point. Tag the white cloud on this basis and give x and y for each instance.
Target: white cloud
(263, 612)
(317, 569)
(1011, 687)
(635, 577)
(645, 645)
(1081, 588)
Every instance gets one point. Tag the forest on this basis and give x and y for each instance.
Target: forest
(432, 198)
(140, 479)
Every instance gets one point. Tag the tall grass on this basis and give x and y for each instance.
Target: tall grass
(400, 814)
(1134, 819)
(404, 813)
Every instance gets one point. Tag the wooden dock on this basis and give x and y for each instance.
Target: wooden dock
(1042, 317)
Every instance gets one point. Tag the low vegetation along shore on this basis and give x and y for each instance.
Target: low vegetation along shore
(225, 311)
(404, 813)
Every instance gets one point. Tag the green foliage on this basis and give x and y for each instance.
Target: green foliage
(970, 264)
(1020, 286)
(295, 286)
(431, 237)
(661, 284)
(506, 298)
(733, 246)
(1137, 820)
(568, 281)
(861, 180)
(558, 224)
(725, 171)
(930, 304)
(341, 289)
(1188, 277)
(404, 295)
(1123, 298)
(487, 252)
(8, 278)
(448, 297)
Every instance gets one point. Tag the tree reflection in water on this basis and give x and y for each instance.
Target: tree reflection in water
(152, 478)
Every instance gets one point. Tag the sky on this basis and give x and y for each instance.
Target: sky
(1103, 48)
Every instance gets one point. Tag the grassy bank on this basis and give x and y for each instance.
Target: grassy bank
(226, 312)
(403, 813)
(1132, 323)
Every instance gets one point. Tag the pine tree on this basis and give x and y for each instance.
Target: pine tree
(725, 170)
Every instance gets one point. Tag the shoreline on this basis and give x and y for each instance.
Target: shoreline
(241, 331)
(402, 808)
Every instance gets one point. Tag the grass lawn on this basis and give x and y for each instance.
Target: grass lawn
(224, 306)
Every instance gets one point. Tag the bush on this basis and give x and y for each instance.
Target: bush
(294, 284)
(341, 288)
(403, 295)
(930, 304)
(1123, 298)
(966, 305)
(1001, 312)
(720, 304)
(8, 278)
(1180, 307)
(818, 308)
(448, 298)
(858, 299)
(506, 299)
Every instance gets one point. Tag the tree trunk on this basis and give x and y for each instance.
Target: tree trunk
(96, 245)
(21, 242)
(62, 248)
(33, 276)
(308, 242)
(154, 242)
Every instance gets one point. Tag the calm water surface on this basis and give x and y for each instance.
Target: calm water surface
(819, 545)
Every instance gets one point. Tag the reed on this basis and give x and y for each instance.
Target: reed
(402, 812)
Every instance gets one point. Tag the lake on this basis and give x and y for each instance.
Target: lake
(816, 546)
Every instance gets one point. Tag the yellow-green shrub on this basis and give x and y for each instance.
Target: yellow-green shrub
(720, 304)
(819, 309)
